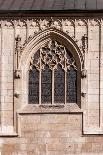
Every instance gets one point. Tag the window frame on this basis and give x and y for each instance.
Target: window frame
(78, 94)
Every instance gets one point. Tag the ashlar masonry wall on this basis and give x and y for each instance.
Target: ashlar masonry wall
(26, 129)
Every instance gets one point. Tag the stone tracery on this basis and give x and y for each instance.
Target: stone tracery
(39, 25)
(53, 54)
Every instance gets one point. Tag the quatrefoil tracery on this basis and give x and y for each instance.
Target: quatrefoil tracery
(52, 55)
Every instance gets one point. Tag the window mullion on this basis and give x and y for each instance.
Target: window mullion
(65, 86)
(40, 80)
(53, 86)
(65, 77)
(40, 87)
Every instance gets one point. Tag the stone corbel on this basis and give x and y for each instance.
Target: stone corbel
(17, 94)
(84, 42)
(84, 73)
(83, 94)
(17, 74)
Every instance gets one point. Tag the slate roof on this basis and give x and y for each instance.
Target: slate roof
(7, 5)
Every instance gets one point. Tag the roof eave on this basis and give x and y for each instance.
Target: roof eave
(50, 12)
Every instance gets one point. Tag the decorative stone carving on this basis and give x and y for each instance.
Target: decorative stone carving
(33, 23)
(18, 50)
(20, 23)
(83, 94)
(94, 22)
(44, 24)
(81, 22)
(53, 54)
(17, 94)
(85, 42)
(47, 23)
(40, 24)
(57, 68)
(50, 22)
(84, 73)
(68, 22)
(17, 74)
(7, 24)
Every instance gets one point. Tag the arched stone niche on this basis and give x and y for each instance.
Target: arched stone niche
(21, 84)
(38, 41)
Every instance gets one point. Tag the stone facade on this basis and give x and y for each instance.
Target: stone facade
(28, 129)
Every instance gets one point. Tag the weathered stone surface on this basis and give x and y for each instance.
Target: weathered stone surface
(52, 130)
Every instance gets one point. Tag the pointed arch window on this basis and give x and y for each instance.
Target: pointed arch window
(52, 75)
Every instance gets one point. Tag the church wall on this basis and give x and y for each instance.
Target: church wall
(7, 48)
(52, 134)
(56, 133)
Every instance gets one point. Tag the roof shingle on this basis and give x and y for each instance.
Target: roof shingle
(51, 5)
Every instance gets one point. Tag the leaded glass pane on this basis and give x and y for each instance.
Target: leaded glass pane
(59, 85)
(34, 86)
(71, 86)
(46, 85)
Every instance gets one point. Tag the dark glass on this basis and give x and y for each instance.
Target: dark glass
(36, 57)
(46, 85)
(59, 85)
(33, 86)
(71, 86)
(52, 55)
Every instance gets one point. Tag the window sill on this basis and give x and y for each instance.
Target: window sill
(13, 134)
(93, 131)
(38, 109)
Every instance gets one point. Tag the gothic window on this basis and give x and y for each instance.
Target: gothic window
(52, 75)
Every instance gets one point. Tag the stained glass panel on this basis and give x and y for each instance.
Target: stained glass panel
(71, 86)
(59, 85)
(46, 85)
(34, 86)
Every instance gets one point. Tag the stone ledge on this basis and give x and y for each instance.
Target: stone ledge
(34, 109)
(93, 131)
(7, 131)
(13, 134)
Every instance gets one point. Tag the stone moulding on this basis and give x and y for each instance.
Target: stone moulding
(43, 36)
